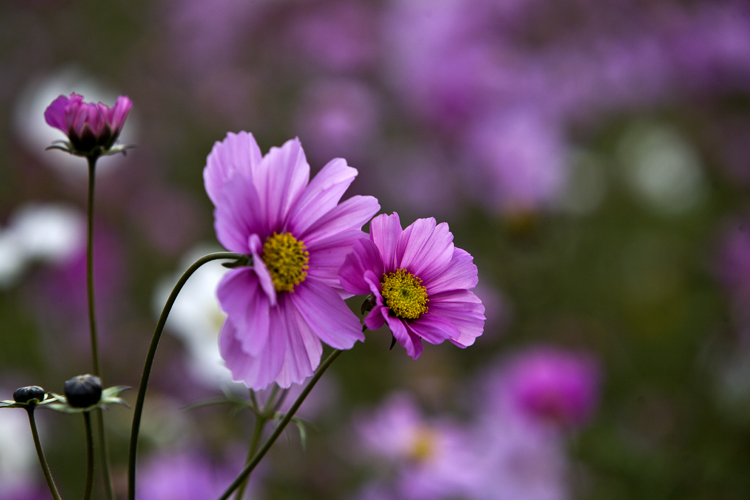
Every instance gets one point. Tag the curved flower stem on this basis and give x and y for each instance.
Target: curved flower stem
(260, 423)
(282, 425)
(138, 410)
(40, 454)
(90, 457)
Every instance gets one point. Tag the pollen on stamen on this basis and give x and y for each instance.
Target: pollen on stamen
(404, 294)
(287, 260)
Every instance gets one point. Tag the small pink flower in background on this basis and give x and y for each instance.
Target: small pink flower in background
(88, 125)
(548, 385)
(434, 458)
(420, 283)
(298, 234)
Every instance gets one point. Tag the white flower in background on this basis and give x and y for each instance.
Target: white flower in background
(662, 168)
(36, 134)
(196, 317)
(18, 461)
(44, 232)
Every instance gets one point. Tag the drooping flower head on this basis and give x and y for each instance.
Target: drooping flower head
(419, 281)
(298, 234)
(90, 127)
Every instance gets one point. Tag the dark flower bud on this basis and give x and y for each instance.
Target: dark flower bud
(26, 394)
(83, 391)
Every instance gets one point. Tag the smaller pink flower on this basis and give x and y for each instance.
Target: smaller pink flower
(88, 126)
(420, 283)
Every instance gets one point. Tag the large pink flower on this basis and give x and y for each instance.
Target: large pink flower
(419, 281)
(88, 125)
(298, 234)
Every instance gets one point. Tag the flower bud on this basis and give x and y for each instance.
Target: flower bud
(26, 394)
(83, 391)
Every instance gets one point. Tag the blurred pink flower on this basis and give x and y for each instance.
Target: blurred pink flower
(420, 283)
(547, 385)
(88, 125)
(433, 458)
(279, 309)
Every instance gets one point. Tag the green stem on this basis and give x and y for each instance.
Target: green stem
(99, 419)
(260, 423)
(40, 454)
(90, 267)
(138, 410)
(89, 457)
(282, 425)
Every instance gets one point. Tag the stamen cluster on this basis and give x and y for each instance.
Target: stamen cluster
(287, 261)
(404, 294)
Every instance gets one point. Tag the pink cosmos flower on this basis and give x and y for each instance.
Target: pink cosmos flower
(88, 125)
(419, 281)
(298, 234)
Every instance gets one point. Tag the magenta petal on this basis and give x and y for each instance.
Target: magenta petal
(364, 257)
(54, 115)
(326, 258)
(350, 214)
(322, 194)
(237, 152)
(264, 277)
(433, 329)
(327, 314)
(464, 310)
(460, 274)
(303, 348)
(376, 318)
(384, 232)
(411, 342)
(243, 300)
(281, 178)
(255, 372)
(120, 112)
(425, 249)
(235, 216)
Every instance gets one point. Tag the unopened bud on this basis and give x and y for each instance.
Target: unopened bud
(26, 394)
(83, 391)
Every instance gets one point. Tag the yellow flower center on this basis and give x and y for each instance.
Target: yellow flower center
(404, 294)
(287, 260)
(423, 445)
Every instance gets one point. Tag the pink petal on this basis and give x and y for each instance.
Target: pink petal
(327, 314)
(303, 347)
(236, 214)
(376, 318)
(54, 115)
(328, 256)
(424, 249)
(433, 329)
(243, 301)
(321, 195)
(281, 178)
(461, 308)
(385, 231)
(238, 152)
(264, 276)
(255, 372)
(411, 342)
(350, 214)
(461, 274)
(120, 112)
(364, 257)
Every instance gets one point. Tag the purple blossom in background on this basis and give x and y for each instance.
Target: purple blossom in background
(520, 156)
(298, 234)
(546, 385)
(433, 459)
(339, 117)
(339, 36)
(184, 476)
(88, 125)
(419, 281)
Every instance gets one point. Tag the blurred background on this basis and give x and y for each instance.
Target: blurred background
(593, 157)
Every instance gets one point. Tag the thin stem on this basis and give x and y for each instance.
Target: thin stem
(260, 423)
(109, 490)
(90, 267)
(89, 457)
(282, 425)
(138, 410)
(40, 454)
